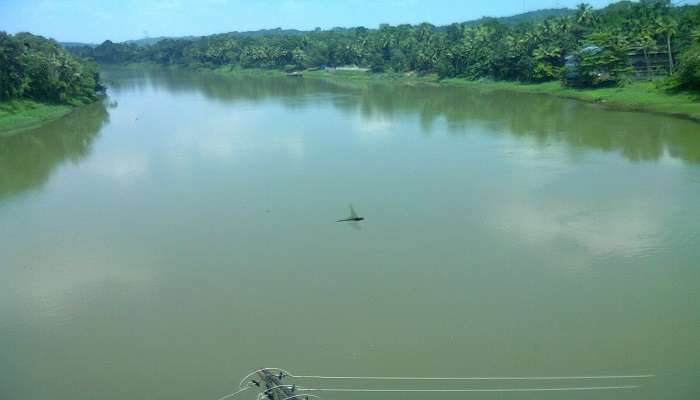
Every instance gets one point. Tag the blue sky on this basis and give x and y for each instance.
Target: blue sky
(97, 20)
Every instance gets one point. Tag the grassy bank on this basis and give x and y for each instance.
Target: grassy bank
(636, 96)
(18, 115)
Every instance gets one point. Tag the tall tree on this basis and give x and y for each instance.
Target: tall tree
(668, 27)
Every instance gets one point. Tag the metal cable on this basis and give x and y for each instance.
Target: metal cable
(234, 393)
(493, 378)
(562, 389)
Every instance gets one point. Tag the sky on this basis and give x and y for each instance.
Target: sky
(93, 21)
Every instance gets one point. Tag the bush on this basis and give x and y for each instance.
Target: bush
(688, 71)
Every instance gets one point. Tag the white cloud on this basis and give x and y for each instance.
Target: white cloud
(55, 285)
(374, 126)
(121, 167)
(627, 229)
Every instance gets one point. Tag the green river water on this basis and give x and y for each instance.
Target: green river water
(168, 241)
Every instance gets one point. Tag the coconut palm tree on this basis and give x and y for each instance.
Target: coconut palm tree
(668, 27)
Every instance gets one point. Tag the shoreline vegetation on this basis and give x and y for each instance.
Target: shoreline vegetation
(40, 81)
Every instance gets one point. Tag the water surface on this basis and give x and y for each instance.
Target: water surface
(163, 244)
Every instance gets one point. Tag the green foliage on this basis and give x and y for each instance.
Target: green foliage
(688, 74)
(604, 63)
(530, 48)
(33, 67)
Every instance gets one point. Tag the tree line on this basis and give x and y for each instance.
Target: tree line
(530, 51)
(33, 67)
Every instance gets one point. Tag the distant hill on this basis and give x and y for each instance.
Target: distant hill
(258, 33)
(268, 32)
(149, 41)
(146, 41)
(530, 16)
(67, 45)
(262, 32)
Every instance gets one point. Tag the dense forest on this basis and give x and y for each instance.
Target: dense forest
(588, 47)
(36, 68)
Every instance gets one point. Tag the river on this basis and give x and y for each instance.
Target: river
(166, 242)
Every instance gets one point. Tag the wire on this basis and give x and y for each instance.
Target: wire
(296, 396)
(438, 378)
(234, 393)
(270, 389)
(283, 373)
(562, 389)
(493, 378)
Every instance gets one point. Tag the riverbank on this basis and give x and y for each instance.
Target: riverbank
(635, 96)
(19, 115)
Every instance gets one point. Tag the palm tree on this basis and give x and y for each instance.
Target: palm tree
(668, 27)
(584, 14)
(646, 43)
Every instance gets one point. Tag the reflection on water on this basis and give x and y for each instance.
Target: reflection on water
(545, 119)
(27, 159)
(219, 87)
